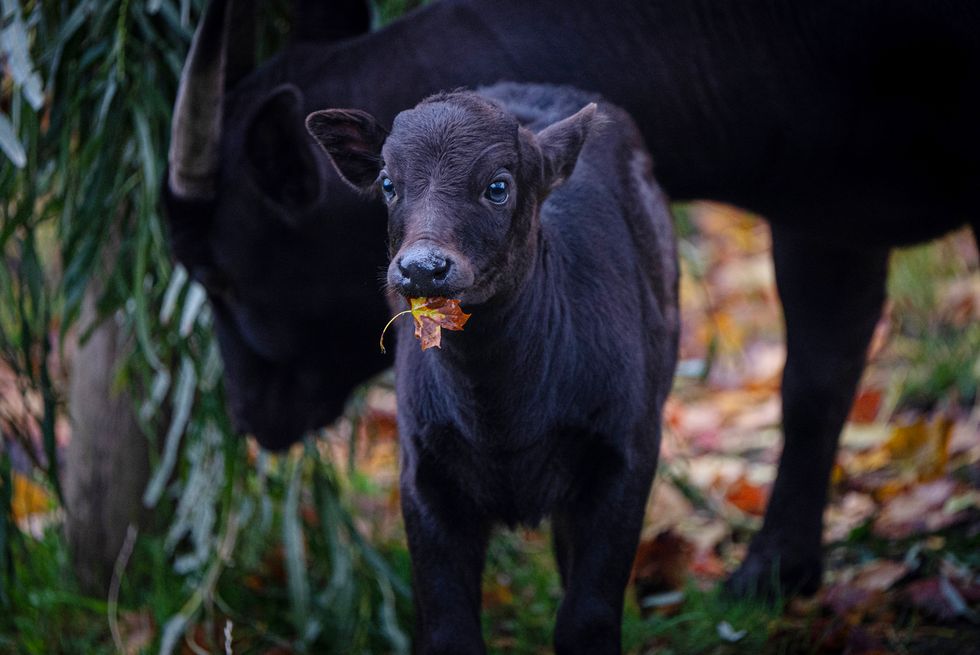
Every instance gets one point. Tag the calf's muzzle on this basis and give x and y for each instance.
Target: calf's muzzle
(425, 269)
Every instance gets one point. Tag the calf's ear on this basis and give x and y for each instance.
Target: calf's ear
(561, 143)
(353, 139)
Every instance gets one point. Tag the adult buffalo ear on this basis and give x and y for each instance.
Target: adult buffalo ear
(561, 143)
(353, 139)
(279, 152)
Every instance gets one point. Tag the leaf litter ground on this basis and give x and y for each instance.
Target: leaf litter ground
(903, 522)
(902, 526)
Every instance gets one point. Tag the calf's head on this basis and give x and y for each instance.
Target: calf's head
(463, 182)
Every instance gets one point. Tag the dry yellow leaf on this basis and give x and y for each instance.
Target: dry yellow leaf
(924, 446)
(29, 498)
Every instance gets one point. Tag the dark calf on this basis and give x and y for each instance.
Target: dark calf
(549, 402)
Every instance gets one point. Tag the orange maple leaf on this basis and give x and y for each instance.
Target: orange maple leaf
(748, 497)
(431, 315)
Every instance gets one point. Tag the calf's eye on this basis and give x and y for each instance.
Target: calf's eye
(496, 192)
(388, 188)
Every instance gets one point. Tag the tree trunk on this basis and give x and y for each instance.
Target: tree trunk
(106, 464)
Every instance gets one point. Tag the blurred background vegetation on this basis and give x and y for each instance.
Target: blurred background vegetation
(229, 549)
(85, 104)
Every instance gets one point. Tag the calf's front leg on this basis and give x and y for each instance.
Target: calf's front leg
(832, 297)
(595, 538)
(447, 539)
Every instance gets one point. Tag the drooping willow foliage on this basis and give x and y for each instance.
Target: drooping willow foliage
(85, 103)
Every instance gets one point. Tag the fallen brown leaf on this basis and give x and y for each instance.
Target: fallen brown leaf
(708, 565)
(842, 517)
(666, 508)
(866, 406)
(849, 602)
(879, 575)
(916, 511)
(923, 445)
(748, 497)
(661, 564)
(941, 598)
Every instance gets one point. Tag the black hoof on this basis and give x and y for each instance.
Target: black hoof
(773, 578)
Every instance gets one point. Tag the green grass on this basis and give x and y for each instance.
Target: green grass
(47, 614)
(356, 594)
(522, 591)
(522, 563)
(694, 628)
(940, 353)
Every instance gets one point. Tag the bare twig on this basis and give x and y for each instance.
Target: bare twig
(118, 570)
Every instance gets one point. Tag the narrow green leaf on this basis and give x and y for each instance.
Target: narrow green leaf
(295, 555)
(110, 92)
(212, 366)
(177, 281)
(10, 144)
(14, 45)
(183, 399)
(147, 151)
(331, 523)
(6, 527)
(141, 311)
(172, 632)
(193, 303)
(48, 420)
(65, 33)
(396, 637)
(158, 391)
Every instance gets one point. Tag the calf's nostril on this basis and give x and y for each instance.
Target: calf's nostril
(440, 268)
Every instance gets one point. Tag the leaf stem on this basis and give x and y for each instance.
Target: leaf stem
(381, 341)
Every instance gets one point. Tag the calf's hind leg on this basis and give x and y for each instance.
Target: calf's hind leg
(832, 297)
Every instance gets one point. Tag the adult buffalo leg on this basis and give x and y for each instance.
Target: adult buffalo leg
(832, 297)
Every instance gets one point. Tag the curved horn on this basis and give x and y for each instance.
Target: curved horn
(195, 134)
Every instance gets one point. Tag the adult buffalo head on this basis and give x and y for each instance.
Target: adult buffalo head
(246, 201)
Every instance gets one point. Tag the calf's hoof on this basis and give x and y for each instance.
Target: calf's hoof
(588, 629)
(448, 648)
(772, 577)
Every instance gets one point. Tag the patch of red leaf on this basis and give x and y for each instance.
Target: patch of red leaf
(748, 497)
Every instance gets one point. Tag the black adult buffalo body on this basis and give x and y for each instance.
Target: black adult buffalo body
(852, 126)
